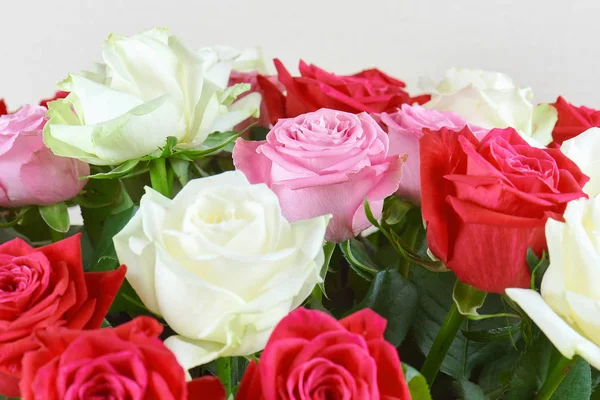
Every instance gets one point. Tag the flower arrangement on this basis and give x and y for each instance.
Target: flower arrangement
(270, 237)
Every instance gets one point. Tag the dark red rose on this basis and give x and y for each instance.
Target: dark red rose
(57, 95)
(485, 203)
(573, 120)
(369, 91)
(310, 355)
(122, 363)
(3, 109)
(43, 288)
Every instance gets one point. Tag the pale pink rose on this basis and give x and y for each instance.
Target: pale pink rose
(324, 162)
(30, 172)
(260, 84)
(405, 128)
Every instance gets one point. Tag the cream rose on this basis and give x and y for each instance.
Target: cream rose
(150, 87)
(220, 264)
(584, 150)
(568, 310)
(491, 100)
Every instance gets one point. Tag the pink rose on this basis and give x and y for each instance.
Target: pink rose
(324, 162)
(31, 173)
(258, 86)
(405, 128)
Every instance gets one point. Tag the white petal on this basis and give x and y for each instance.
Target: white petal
(584, 150)
(251, 60)
(191, 353)
(139, 255)
(544, 119)
(565, 339)
(98, 102)
(193, 307)
(143, 65)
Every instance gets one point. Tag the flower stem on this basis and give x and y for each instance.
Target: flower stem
(159, 178)
(224, 372)
(441, 344)
(554, 379)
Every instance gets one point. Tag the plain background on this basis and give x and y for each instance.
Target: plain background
(549, 45)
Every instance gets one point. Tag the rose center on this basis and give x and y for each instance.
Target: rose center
(15, 278)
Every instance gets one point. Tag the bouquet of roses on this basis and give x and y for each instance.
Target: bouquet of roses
(180, 224)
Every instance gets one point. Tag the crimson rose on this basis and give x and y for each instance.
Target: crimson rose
(485, 203)
(57, 95)
(370, 91)
(126, 362)
(42, 288)
(573, 120)
(310, 355)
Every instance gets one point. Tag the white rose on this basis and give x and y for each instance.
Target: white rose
(491, 100)
(584, 150)
(150, 87)
(568, 310)
(220, 264)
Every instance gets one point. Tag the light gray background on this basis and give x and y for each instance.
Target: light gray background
(549, 45)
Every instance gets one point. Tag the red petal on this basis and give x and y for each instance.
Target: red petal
(103, 286)
(250, 387)
(365, 322)
(207, 388)
(16, 247)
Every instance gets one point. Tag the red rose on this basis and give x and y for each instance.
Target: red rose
(486, 202)
(310, 355)
(126, 362)
(42, 288)
(573, 120)
(369, 91)
(57, 95)
(3, 109)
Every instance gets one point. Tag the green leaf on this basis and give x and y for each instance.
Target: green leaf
(493, 334)
(435, 298)
(534, 366)
(468, 298)
(212, 144)
(537, 267)
(466, 390)
(395, 210)
(181, 168)
(105, 250)
(495, 376)
(117, 172)
(163, 152)
(328, 250)
(99, 193)
(357, 256)
(404, 249)
(531, 370)
(417, 385)
(577, 385)
(395, 298)
(105, 324)
(94, 218)
(128, 301)
(56, 216)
